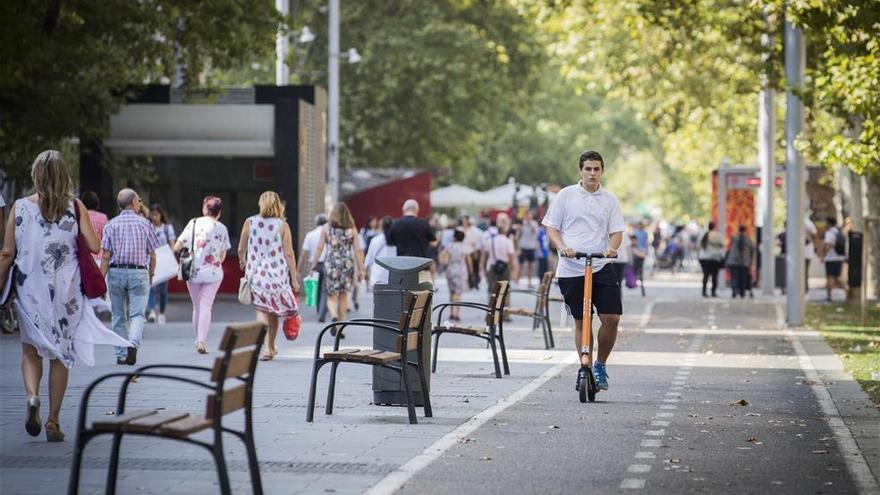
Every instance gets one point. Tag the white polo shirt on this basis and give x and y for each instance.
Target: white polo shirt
(585, 220)
(310, 243)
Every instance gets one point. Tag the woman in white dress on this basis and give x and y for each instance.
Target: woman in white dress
(55, 318)
(265, 252)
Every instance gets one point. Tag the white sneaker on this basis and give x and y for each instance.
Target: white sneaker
(161, 319)
(151, 317)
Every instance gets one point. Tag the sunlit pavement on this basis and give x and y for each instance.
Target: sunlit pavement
(707, 395)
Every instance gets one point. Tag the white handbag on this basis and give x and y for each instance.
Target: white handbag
(244, 291)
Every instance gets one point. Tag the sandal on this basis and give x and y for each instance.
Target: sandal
(201, 348)
(53, 431)
(33, 425)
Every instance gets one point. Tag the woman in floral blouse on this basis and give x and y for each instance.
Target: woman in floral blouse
(211, 245)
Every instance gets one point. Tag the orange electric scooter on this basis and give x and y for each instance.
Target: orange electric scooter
(587, 387)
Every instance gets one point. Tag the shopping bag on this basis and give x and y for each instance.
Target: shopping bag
(291, 327)
(630, 277)
(310, 285)
(166, 265)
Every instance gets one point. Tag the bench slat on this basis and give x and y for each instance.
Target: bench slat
(246, 334)
(462, 330)
(239, 364)
(233, 400)
(149, 423)
(113, 422)
(412, 342)
(185, 426)
(368, 356)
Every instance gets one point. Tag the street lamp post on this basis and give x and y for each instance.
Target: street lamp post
(795, 61)
(333, 104)
(282, 46)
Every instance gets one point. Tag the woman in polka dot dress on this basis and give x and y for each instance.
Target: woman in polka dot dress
(265, 251)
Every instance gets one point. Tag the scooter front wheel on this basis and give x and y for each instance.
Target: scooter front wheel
(583, 388)
(592, 388)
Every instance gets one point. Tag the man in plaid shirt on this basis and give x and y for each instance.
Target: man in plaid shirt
(129, 261)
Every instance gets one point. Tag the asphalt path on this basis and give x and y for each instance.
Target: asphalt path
(706, 396)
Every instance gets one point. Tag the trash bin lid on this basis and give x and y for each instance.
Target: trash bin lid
(404, 264)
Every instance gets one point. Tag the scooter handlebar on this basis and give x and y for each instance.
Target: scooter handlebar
(589, 255)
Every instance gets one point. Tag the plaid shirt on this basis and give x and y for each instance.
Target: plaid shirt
(130, 238)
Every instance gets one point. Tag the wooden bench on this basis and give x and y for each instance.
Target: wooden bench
(409, 328)
(240, 350)
(492, 332)
(540, 313)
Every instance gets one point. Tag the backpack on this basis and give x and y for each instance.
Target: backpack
(839, 243)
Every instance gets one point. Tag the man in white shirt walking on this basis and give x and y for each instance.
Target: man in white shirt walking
(309, 249)
(835, 256)
(586, 218)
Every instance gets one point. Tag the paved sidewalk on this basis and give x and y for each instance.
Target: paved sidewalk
(343, 453)
(536, 445)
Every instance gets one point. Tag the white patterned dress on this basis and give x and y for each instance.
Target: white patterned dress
(53, 314)
(267, 268)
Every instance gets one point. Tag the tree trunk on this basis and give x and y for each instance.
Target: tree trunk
(871, 206)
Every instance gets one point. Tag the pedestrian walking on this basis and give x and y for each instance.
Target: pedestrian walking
(128, 262)
(457, 270)
(711, 257)
(99, 219)
(586, 218)
(55, 319)
(208, 241)
(527, 239)
(739, 260)
(379, 248)
(310, 258)
(159, 293)
(341, 241)
(835, 256)
(498, 255)
(542, 254)
(265, 252)
(412, 235)
(473, 237)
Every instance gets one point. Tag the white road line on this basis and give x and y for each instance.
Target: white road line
(852, 455)
(659, 423)
(645, 455)
(650, 443)
(655, 433)
(669, 407)
(664, 415)
(632, 484)
(394, 480)
(639, 468)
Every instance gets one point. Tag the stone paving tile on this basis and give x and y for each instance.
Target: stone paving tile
(343, 453)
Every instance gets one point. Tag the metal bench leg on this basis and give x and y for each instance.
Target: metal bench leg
(253, 463)
(113, 469)
(491, 341)
(76, 465)
(503, 346)
(543, 332)
(331, 390)
(424, 382)
(410, 407)
(220, 461)
(434, 357)
(310, 407)
(546, 321)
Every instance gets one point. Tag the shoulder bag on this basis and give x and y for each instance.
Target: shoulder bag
(187, 255)
(498, 267)
(91, 279)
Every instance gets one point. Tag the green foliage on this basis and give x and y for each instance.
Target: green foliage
(66, 66)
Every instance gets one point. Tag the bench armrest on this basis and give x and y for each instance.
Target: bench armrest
(348, 323)
(442, 308)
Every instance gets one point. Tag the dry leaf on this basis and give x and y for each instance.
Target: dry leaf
(467, 440)
(554, 427)
(486, 458)
(109, 413)
(752, 440)
(741, 402)
(820, 451)
(756, 415)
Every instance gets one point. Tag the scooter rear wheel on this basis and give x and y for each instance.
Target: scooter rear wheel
(592, 388)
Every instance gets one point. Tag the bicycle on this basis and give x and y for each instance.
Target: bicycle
(587, 387)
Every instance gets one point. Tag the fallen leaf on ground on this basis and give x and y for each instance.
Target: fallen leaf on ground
(486, 458)
(820, 451)
(554, 427)
(741, 402)
(467, 440)
(110, 413)
(756, 415)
